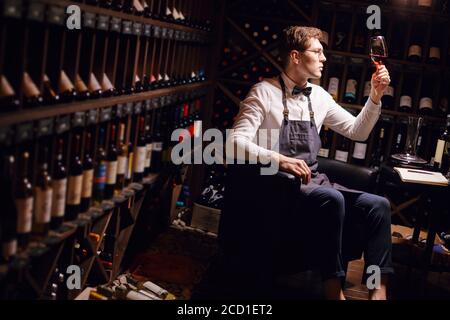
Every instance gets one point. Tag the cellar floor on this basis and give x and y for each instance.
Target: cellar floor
(181, 262)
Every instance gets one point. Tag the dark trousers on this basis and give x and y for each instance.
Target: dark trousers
(332, 227)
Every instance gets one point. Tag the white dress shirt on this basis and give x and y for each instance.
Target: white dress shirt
(263, 109)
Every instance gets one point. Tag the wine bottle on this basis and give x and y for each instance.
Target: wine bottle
(387, 100)
(333, 86)
(140, 152)
(24, 203)
(415, 48)
(75, 181)
(94, 87)
(148, 150)
(157, 145)
(359, 153)
(359, 38)
(81, 89)
(138, 8)
(8, 218)
(59, 185)
(32, 95)
(128, 6)
(325, 143)
(43, 196)
(426, 100)
(352, 85)
(341, 33)
(107, 87)
(8, 98)
(88, 174)
(66, 88)
(111, 164)
(100, 170)
(441, 156)
(147, 9)
(122, 160)
(424, 4)
(50, 96)
(366, 92)
(117, 5)
(378, 153)
(400, 139)
(434, 54)
(342, 149)
(407, 94)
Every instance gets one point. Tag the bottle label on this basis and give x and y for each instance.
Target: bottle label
(415, 50)
(389, 91)
(74, 190)
(24, 214)
(424, 3)
(155, 288)
(121, 165)
(148, 155)
(157, 146)
(88, 179)
(426, 103)
(333, 87)
(350, 90)
(439, 151)
(360, 151)
(130, 165)
(435, 52)
(43, 205)
(59, 197)
(139, 161)
(9, 248)
(341, 155)
(100, 176)
(367, 88)
(405, 101)
(323, 153)
(111, 172)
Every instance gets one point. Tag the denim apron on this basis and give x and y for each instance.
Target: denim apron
(299, 139)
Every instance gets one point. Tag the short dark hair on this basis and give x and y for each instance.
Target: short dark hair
(296, 38)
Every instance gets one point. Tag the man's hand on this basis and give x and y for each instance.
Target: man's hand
(380, 80)
(297, 167)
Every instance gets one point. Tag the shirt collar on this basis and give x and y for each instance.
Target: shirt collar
(291, 84)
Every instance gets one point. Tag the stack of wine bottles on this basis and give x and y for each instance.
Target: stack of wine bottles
(57, 168)
(44, 61)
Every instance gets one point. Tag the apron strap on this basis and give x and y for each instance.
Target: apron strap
(286, 110)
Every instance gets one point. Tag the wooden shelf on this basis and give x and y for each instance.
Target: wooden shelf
(68, 108)
(394, 113)
(124, 16)
(418, 65)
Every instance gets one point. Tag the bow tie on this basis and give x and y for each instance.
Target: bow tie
(305, 91)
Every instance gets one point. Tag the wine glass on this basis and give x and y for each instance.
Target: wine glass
(378, 50)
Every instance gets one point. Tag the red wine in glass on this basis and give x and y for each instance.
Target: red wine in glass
(378, 50)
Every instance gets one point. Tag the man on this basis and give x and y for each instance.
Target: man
(299, 109)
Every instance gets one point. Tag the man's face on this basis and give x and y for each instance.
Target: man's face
(310, 62)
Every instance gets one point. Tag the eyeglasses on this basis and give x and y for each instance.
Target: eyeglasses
(319, 52)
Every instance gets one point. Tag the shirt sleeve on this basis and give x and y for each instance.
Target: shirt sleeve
(343, 122)
(252, 112)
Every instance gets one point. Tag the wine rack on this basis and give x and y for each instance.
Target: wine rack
(420, 82)
(86, 117)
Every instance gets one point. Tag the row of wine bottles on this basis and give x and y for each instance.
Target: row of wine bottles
(188, 13)
(428, 146)
(55, 177)
(48, 63)
(424, 41)
(126, 287)
(415, 96)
